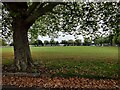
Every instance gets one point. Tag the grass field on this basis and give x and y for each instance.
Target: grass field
(81, 61)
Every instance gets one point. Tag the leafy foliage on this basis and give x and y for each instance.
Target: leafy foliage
(2, 42)
(75, 18)
(80, 18)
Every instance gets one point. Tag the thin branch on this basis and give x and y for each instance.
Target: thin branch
(32, 7)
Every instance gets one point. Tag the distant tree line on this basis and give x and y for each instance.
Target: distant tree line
(110, 40)
(52, 42)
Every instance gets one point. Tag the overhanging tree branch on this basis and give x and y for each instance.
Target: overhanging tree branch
(15, 6)
(42, 10)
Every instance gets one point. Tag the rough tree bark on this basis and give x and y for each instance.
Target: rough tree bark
(22, 54)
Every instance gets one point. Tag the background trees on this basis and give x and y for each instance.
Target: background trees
(70, 42)
(87, 42)
(2, 42)
(52, 42)
(78, 42)
(64, 42)
(46, 42)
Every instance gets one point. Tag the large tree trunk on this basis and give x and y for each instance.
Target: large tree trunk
(22, 54)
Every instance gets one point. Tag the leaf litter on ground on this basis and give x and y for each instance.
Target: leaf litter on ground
(60, 82)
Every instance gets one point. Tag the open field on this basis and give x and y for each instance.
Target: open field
(81, 61)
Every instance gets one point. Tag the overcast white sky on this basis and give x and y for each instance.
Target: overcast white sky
(60, 38)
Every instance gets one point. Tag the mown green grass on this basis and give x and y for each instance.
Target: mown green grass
(81, 61)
